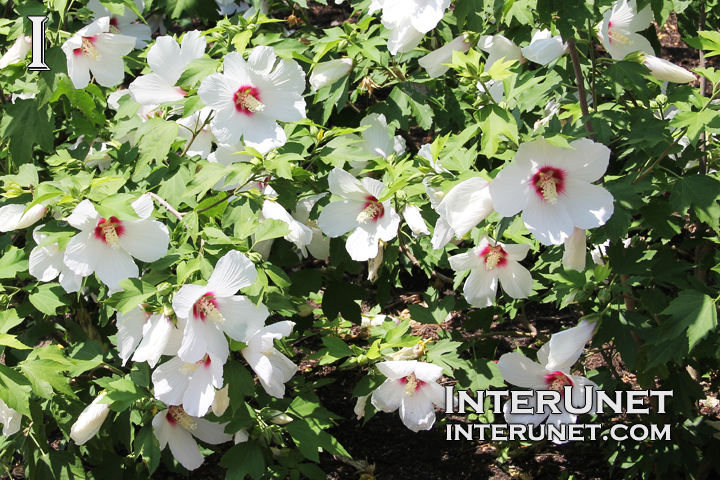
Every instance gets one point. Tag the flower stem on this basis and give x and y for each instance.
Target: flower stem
(580, 85)
(167, 206)
(196, 133)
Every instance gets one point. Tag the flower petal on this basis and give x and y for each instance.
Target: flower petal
(588, 205)
(519, 370)
(232, 272)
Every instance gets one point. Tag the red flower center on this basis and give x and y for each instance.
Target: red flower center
(109, 231)
(557, 380)
(373, 210)
(549, 183)
(494, 256)
(206, 307)
(247, 100)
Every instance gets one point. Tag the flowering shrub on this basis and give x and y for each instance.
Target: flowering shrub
(197, 197)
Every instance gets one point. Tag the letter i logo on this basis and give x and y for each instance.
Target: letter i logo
(38, 43)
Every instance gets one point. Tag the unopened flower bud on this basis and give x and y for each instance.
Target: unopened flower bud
(221, 401)
(327, 73)
(90, 420)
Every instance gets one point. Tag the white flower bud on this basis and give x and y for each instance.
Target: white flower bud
(12, 217)
(90, 420)
(575, 249)
(667, 71)
(327, 73)
(433, 61)
(544, 48)
(415, 221)
(221, 401)
(10, 419)
(17, 52)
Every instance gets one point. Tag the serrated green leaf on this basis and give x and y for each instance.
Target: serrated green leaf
(12, 262)
(48, 297)
(700, 192)
(270, 229)
(27, 123)
(244, 459)
(134, 292)
(692, 314)
(46, 377)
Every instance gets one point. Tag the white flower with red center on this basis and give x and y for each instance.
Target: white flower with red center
(191, 385)
(94, 49)
(362, 211)
(14, 216)
(124, 24)
(552, 373)
(272, 367)
(176, 428)
(465, 205)
(618, 29)
(249, 98)
(168, 60)
(412, 387)
(213, 310)
(491, 263)
(46, 263)
(148, 336)
(107, 246)
(552, 188)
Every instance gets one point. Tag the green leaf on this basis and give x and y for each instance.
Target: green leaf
(270, 229)
(118, 205)
(445, 354)
(15, 390)
(697, 123)
(12, 342)
(154, 139)
(135, 292)
(48, 297)
(27, 123)
(336, 349)
(692, 314)
(9, 319)
(46, 377)
(122, 394)
(147, 446)
(198, 69)
(339, 299)
(700, 192)
(479, 375)
(244, 459)
(12, 262)
(495, 121)
(241, 383)
(309, 439)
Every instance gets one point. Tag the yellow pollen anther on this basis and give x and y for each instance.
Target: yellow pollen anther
(190, 367)
(493, 257)
(110, 234)
(370, 212)
(411, 385)
(548, 184)
(312, 224)
(211, 312)
(619, 38)
(249, 102)
(182, 418)
(89, 49)
(114, 29)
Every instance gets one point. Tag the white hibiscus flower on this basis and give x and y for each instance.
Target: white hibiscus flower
(409, 20)
(94, 49)
(464, 206)
(544, 48)
(212, 310)
(249, 98)
(552, 187)
(362, 211)
(191, 385)
(175, 427)
(412, 387)
(124, 24)
(618, 29)
(376, 140)
(272, 367)
(46, 263)
(319, 246)
(168, 61)
(490, 263)
(148, 336)
(107, 246)
(552, 373)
